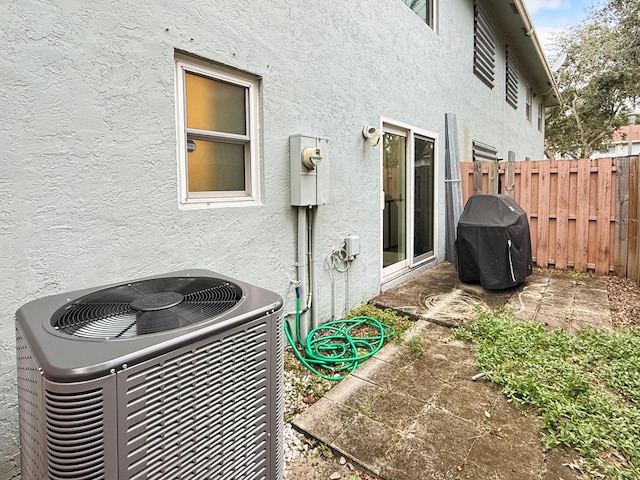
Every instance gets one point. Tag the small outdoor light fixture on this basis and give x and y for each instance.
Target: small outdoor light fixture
(372, 134)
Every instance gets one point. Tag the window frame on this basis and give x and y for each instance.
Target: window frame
(430, 10)
(528, 105)
(540, 116)
(250, 140)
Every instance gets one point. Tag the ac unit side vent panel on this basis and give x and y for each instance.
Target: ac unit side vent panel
(32, 436)
(75, 439)
(279, 342)
(203, 411)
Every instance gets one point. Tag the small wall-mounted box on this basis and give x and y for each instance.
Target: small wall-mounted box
(352, 246)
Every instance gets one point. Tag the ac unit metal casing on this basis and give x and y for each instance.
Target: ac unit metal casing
(202, 401)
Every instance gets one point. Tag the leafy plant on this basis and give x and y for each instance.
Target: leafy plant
(585, 387)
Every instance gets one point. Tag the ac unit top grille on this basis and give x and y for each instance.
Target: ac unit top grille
(147, 306)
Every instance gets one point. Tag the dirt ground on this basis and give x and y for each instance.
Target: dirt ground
(624, 301)
(319, 463)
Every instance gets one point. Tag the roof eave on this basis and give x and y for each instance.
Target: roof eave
(519, 27)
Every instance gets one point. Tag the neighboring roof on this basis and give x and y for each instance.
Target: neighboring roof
(517, 24)
(621, 135)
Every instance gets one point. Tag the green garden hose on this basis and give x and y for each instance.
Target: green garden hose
(331, 347)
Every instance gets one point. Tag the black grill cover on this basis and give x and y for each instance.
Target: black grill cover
(493, 245)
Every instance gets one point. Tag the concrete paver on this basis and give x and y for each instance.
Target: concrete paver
(404, 416)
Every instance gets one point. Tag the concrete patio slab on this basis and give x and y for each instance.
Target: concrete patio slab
(403, 416)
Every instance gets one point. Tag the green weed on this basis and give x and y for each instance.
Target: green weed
(324, 450)
(576, 275)
(415, 347)
(389, 316)
(585, 387)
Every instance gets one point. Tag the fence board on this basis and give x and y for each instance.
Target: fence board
(632, 261)
(603, 222)
(582, 216)
(622, 216)
(562, 215)
(466, 174)
(542, 252)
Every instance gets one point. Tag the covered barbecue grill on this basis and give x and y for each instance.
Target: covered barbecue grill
(493, 245)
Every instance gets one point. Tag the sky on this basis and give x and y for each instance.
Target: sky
(550, 16)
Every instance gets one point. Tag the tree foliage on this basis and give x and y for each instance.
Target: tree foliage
(598, 81)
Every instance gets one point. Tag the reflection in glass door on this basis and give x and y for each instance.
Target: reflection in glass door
(394, 231)
(408, 217)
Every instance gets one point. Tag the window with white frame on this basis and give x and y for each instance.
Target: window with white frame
(540, 116)
(425, 9)
(529, 103)
(217, 134)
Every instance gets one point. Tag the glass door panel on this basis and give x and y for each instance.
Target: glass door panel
(423, 214)
(394, 234)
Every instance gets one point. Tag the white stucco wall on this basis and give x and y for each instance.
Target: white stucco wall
(87, 127)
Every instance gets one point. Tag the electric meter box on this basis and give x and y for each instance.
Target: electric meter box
(309, 170)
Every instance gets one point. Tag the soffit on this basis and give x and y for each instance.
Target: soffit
(513, 19)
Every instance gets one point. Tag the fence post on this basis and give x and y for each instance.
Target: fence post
(477, 178)
(493, 178)
(510, 178)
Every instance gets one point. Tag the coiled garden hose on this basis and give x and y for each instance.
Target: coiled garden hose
(332, 347)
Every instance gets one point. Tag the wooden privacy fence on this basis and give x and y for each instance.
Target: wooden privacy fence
(582, 213)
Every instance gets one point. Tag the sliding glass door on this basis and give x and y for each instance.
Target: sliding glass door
(408, 216)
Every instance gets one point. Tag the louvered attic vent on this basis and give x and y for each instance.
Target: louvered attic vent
(511, 77)
(484, 46)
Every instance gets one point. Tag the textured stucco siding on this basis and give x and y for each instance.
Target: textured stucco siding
(88, 132)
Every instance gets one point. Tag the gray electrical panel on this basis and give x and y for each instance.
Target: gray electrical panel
(309, 170)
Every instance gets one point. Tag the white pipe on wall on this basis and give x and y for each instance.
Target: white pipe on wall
(312, 268)
(302, 271)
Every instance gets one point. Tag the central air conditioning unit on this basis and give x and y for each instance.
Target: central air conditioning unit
(173, 376)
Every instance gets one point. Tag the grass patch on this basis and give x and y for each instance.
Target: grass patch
(585, 387)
